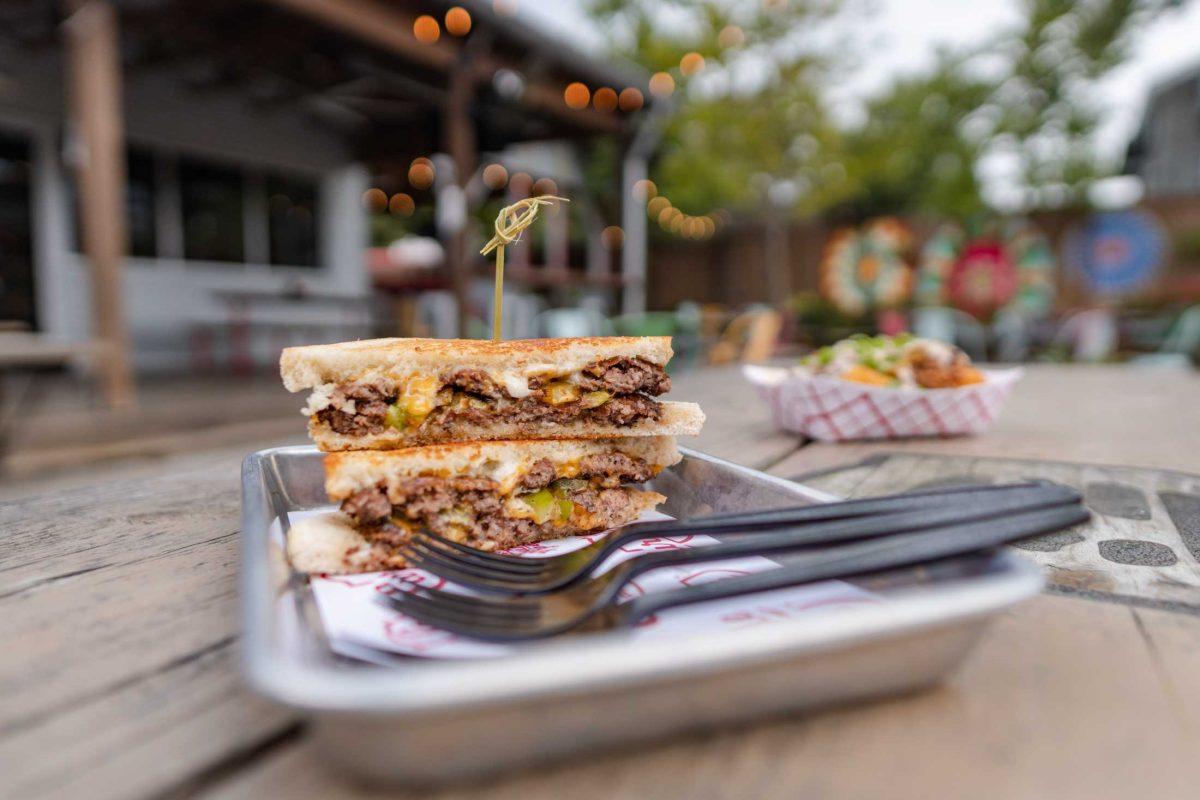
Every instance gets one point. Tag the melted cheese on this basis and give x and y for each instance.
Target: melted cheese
(419, 390)
(516, 384)
(420, 393)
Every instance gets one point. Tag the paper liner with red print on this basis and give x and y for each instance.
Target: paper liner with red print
(830, 409)
(356, 623)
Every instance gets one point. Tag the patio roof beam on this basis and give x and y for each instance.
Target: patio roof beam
(391, 29)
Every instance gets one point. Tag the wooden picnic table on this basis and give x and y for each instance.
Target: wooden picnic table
(118, 614)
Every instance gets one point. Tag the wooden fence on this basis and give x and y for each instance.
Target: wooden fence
(732, 267)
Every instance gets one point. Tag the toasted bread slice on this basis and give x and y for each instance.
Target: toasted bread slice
(678, 419)
(504, 462)
(371, 359)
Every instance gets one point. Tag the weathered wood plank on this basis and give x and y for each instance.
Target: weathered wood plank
(118, 610)
(738, 426)
(145, 736)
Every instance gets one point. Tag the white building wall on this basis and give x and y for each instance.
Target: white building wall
(166, 297)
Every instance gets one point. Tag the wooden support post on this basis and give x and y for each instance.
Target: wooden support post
(459, 142)
(558, 240)
(94, 78)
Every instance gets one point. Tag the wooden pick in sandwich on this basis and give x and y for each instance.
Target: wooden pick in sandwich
(509, 224)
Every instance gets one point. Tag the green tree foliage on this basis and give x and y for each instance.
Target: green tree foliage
(754, 116)
(1045, 103)
(915, 151)
(1024, 99)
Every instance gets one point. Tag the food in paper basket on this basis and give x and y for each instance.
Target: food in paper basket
(895, 361)
(386, 393)
(883, 388)
(488, 495)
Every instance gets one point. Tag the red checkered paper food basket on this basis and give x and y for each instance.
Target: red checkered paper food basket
(830, 409)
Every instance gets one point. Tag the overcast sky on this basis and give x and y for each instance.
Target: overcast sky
(902, 35)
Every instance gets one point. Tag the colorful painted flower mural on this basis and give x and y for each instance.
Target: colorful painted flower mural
(867, 268)
(1011, 269)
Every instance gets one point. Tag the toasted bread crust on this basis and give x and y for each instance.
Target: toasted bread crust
(369, 359)
(346, 473)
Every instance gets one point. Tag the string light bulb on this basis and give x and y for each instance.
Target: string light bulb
(426, 29)
(731, 36)
(612, 237)
(495, 176)
(576, 96)
(421, 173)
(691, 63)
(605, 99)
(375, 200)
(401, 205)
(645, 189)
(630, 99)
(458, 21)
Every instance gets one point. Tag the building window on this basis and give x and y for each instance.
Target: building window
(140, 191)
(17, 299)
(213, 214)
(140, 194)
(292, 222)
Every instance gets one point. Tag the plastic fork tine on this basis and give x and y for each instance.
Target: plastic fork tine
(483, 628)
(495, 558)
(425, 616)
(476, 604)
(488, 617)
(449, 567)
(456, 551)
(432, 562)
(428, 613)
(499, 585)
(452, 558)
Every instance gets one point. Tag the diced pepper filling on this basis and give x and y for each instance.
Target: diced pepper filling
(473, 510)
(616, 391)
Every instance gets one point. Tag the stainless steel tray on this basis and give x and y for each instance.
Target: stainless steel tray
(434, 721)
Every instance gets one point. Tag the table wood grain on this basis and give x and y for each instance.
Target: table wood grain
(119, 666)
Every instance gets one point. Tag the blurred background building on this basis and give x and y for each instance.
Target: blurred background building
(232, 157)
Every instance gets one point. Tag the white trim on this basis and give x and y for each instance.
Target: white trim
(168, 206)
(256, 225)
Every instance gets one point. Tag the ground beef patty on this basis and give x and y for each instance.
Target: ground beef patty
(541, 474)
(371, 402)
(610, 470)
(625, 376)
(630, 380)
(439, 503)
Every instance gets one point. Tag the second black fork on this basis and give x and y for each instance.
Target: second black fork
(825, 524)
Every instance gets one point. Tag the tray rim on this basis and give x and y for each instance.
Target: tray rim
(585, 665)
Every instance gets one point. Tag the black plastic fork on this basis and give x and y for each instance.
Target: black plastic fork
(592, 604)
(795, 527)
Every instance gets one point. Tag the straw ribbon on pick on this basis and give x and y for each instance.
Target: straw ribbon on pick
(509, 224)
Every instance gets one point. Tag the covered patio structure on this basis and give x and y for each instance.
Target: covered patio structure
(389, 82)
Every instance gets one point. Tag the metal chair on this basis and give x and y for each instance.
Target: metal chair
(1181, 344)
(954, 326)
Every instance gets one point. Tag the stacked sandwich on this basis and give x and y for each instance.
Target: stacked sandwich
(490, 444)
